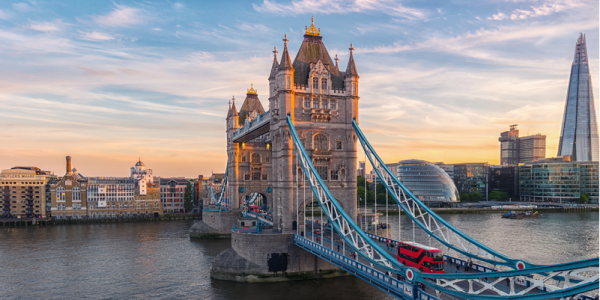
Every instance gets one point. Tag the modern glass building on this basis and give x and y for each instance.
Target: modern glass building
(472, 178)
(428, 182)
(579, 133)
(561, 182)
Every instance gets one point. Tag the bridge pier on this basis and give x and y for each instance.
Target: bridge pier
(214, 225)
(269, 258)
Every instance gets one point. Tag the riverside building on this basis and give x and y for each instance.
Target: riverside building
(471, 178)
(428, 182)
(172, 191)
(69, 195)
(111, 197)
(558, 180)
(23, 192)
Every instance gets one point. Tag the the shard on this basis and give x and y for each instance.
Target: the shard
(579, 133)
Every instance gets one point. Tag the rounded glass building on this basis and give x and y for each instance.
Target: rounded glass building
(428, 182)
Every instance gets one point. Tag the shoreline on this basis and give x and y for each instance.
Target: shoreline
(459, 211)
(33, 222)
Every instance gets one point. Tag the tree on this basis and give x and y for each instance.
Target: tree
(470, 197)
(584, 198)
(188, 203)
(497, 195)
(360, 182)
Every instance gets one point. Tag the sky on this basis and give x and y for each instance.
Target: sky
(108, 82)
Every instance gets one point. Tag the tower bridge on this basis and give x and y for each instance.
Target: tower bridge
(303, 150)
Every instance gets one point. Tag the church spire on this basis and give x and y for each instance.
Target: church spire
(275, 65)
(286, 62)
(351, 68)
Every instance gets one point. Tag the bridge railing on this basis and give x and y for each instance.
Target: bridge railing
(246, 230)
(382, 281)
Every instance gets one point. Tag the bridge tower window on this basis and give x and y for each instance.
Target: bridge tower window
(315, 83)
(255, 158)
(324, 84)
(306, 102)
(322, 170)
(316, 103)
(332, 105)
(321, 142)
(255, 174)
(324, 104)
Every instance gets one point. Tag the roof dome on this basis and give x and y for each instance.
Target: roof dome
(140, 165)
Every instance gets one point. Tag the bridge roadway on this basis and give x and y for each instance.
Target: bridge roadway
(450, 265)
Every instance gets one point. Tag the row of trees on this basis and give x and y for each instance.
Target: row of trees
(360, 191)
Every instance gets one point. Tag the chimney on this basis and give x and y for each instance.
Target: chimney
(69, 165)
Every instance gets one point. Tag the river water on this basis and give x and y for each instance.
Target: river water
(158, 260)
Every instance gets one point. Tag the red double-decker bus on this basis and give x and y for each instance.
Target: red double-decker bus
(254, 208)
(424, 258)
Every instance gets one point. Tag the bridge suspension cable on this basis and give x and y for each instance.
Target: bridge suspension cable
(572, 278)
(219, 201)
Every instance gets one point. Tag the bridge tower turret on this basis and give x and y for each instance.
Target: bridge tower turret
(232, 150)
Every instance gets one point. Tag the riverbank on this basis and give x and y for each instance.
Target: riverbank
(28, 222)
(460, 211)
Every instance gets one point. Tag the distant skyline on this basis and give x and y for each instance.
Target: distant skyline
(107, 82)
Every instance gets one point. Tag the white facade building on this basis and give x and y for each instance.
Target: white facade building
(139, 172)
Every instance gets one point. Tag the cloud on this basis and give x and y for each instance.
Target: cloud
(499, 16)
(544, 10)
(178, 6)
(389, 7)
(121, 16)
(4, 15)
(44, 26)
(95, 36)
(22, 7)
(537, 11)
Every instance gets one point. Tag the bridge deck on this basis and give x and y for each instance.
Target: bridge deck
(449, 267)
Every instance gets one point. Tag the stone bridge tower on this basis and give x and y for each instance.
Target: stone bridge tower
(322, 101)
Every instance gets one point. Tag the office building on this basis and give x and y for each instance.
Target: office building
(516, 150)
(428, 182)
(471, 178)
(23, 192)
(579, 132)
(558, 180)
(449, 169)
(505, 179)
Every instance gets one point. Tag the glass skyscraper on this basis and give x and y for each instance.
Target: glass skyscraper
(579, 133)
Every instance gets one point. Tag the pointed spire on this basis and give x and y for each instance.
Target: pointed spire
(233, 108)
(286, 62)
(351, 68)
(275, 65)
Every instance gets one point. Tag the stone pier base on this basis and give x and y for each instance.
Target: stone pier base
(269, 258)
(214, 224)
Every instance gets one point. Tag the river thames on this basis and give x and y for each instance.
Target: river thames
(158, 260)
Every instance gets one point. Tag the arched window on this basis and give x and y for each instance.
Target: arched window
(315, 83)
(255, 157)
(76, 194)
(321, 142)
(324, 84)
(60, 194)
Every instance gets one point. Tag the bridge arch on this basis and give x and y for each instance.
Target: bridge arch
(266, 197)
